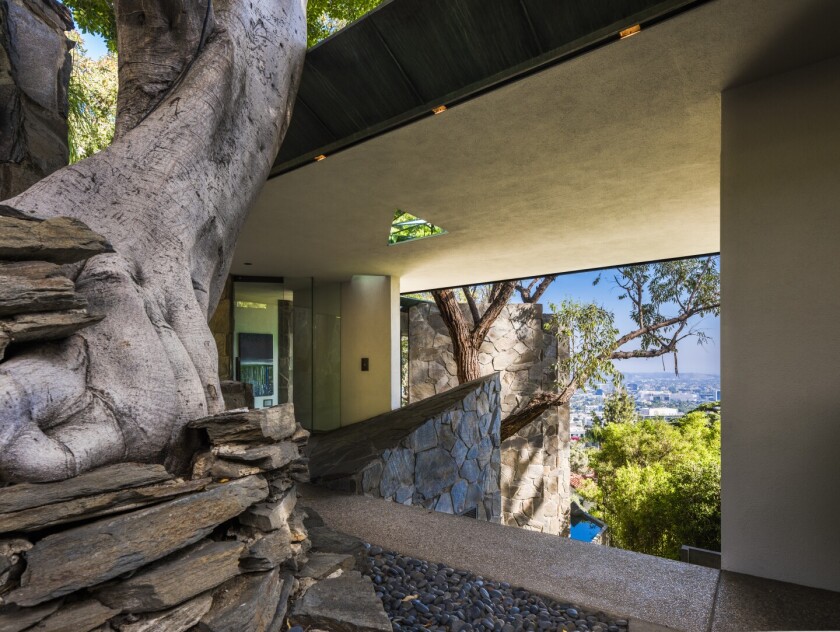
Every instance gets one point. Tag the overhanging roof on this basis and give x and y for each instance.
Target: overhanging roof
(406, 57)
(608, 158)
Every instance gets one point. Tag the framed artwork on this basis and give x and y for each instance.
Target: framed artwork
(256, 362)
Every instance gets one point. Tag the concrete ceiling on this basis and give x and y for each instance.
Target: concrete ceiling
(612, 157)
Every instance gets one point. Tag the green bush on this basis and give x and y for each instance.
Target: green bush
(658, 483)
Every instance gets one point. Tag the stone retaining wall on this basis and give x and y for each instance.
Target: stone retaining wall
(441, 453)
(128, 547)
(534, 476)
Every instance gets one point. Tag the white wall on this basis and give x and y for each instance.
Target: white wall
(780, 327)
(370, 328)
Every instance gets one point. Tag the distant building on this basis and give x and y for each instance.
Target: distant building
(659, 412)
(717, 395)
(664, 396)
(632, 387)
(684, 397)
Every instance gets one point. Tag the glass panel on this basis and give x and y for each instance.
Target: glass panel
(327, 356)
(272, 342)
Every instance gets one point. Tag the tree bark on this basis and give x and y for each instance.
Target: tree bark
(171, 196)
(466, 356)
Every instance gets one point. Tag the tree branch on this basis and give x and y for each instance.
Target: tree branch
(473, 307)
(501, 296)
(665, 323)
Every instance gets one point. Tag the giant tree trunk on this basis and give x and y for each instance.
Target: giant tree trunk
(171, 195)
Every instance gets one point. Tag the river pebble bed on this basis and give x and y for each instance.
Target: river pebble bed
(419, 595)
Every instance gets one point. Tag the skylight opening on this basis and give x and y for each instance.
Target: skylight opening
(408, 227)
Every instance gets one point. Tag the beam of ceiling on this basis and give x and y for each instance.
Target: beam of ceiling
(609, 158)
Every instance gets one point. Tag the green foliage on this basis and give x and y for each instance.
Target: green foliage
(659, 291)
(97, 18)
(407, 227)
(590, 333)
(658, 484)
(619, 408)
(578, 457)
(92, 99)
(325, 17)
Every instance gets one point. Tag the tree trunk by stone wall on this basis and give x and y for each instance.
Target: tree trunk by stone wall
(171, 195)
(34, 73)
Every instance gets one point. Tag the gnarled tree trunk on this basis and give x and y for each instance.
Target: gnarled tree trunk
(196, 142)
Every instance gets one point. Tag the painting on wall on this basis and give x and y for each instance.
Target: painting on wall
(256, 362)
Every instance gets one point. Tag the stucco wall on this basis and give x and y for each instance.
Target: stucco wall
(780, 346)
(535, 462)
(370, 329)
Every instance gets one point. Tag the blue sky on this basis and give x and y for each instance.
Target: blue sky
(95, 45)
(692, 357)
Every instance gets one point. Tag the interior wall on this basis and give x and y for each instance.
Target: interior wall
(780, 339)
(370, 328)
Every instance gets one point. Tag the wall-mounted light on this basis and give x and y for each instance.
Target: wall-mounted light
(319, 157)
(439, 109)
(630, 31)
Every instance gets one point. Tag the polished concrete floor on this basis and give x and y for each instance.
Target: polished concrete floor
(653, 593)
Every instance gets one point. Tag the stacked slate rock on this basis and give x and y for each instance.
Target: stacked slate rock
(129, 548)
(38, 299)
(267, 442)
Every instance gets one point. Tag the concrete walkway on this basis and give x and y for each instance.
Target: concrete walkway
(653, 593)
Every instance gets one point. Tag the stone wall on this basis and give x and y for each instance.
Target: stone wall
(534, 477)
(34, 73)
(128, 547)
(441, 453)
(221, 326)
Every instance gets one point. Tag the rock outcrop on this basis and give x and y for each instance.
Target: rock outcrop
(129, 547)
(38, 298)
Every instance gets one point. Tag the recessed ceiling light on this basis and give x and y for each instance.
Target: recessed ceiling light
(629, 31)
(319, 157)
(439, 109)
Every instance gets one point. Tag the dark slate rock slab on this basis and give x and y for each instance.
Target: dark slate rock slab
(275, 424)
(111, 477)
(266, 550)
(75, 617)
(344, 604)
(57, 240)
(272, 515)
(89, 507)
(269, 457)
(177, 619)
(328, 541)
(36, 286)
(94, 553)
(246, 603)
(321, 565)
(44, 326)
(175, 579)
(14, 618)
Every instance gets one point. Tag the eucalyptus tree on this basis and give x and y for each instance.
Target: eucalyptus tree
(666, 299)
(205, 96)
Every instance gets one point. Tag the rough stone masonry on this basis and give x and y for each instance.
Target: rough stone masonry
(534, 475)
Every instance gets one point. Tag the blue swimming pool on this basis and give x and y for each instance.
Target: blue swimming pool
(583, 529)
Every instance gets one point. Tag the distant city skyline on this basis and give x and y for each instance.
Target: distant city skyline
(693, 358)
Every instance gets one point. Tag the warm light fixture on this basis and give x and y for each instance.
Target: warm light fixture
(319, 157)
(629, 31)
(439, 109)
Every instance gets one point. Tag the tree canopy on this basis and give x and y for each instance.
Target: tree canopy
(658, 483)
(323, 17)
(92, 100)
